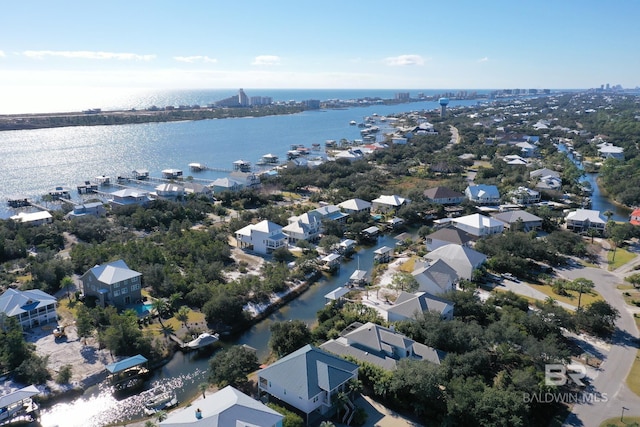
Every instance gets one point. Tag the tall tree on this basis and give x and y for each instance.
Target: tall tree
(287, 337)
(232, 365)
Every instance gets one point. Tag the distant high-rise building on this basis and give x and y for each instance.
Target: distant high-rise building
(403, 96)
(312, 104)
(243, 99)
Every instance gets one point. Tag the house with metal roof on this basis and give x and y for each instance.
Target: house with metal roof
(129, 196)
(446, 236)
(113, 284)
(221, 185)
(462, 259)
(31, 308)
(390, 203)
(329, 213)
(227, 407)
(380, 346)
(443, 196)
(408, 306)
(353, 206)
(478, 225)
(309, 379)
(263, 237)
(303, 227)
(519, 220)
(435, 277)
(582, 220)
(33, 218)
(483, 194)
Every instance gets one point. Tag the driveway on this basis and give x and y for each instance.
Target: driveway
(379, 416)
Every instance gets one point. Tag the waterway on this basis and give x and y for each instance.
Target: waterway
(97, 407)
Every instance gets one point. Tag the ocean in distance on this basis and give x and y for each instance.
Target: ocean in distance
(36, 161)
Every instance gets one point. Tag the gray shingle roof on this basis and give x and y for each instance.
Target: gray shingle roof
(113, 272)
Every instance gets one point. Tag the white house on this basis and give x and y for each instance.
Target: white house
(610, 151)
(524, 196)
(353, 206)
(483, 194)
(478, 225)
(129, 196)
(169, 190)
(388, 203)
(227, 407)
(582, 220)
(263, 237)
(93, 208)
(380, 346)
(31, 308)
(462, 259)
(407, 306)
(33, 218)
(304, 227)
(435, 277)
(225, 184)
(309, 379)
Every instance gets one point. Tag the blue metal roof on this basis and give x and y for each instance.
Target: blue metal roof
(126, 364)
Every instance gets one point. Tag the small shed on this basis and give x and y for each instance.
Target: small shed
(382, 254)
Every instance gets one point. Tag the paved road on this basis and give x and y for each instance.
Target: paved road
(611, 380)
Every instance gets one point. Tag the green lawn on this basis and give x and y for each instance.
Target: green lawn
(633, 379)
(627, 421)
(622, 256)
(571, 298)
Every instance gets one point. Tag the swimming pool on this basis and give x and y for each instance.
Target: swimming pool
(143, 308)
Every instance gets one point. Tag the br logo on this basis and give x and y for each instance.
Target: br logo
(558, 374)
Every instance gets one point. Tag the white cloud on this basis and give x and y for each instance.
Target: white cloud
(2, 54)
(402, 60)
(485, 59)
(266, 60)
(86, 54)
(195, 58)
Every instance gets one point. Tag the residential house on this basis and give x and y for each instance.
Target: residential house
(407, 306)
(33, 218)
(221, 185)
(446, 236)
(443, 196)
(112, 284)
(172, 174)
(197, 189)
(330, 213)
(483, 194)
(304, 227)
(169, 191)
(519, 220)
(478, 225)
(610, 151)
(462, 259)
(31, 308)
(351, 155)
(524, 196)
(436, 277)
(93, 208)
(539, 173)
(247, 179)
(309, 379)
(582, 220)
(355, 206)
(227, 407)
(382, 254)
(634, 218)
(263, 237)
(527, 149)
(129, 196)
(391, 203)
(380, 346)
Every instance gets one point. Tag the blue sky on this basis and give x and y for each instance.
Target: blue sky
(411, 44)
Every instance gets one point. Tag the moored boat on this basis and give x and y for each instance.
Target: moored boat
(203, 340)
(159, 399)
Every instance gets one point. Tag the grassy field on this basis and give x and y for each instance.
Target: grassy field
(622, 256)
(571, 298)
(627, 422)
(633, 379)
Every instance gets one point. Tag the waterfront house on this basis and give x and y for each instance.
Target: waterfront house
(197, 189)
(169, 191)
(93, 208)
(225, 184)
(392, 203)
(113, 283)
(31, 308)
(247, 179)
(140, 174)
(309, 379)
(347, 246)
(172, 174)
(304, 227)
(436, 277)
(519, 220)
(33, 218)
(330, 213)
(129, 196)
(462, 259)
(370, 233)
(634, 218)
(263, 237)
(582, 220)
(227, 407)
(355, 206)
(478, 225)
(443, 196)
(410, 306)
(483, 194)
(524, 196)
(446, 236)
(380, 346)
(330, 262)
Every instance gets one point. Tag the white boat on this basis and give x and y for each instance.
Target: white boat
(203, 340)
(159, 399)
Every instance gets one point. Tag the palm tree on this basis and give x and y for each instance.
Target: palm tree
(149, 423)
(203, 388)
(174, 298)
(161, 416)
(160, 306)
(183, 314)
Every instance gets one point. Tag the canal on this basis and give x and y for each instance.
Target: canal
(98, 407)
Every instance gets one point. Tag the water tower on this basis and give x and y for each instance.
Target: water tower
(443, 106)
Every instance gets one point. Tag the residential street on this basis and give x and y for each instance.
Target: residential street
(611, 379)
